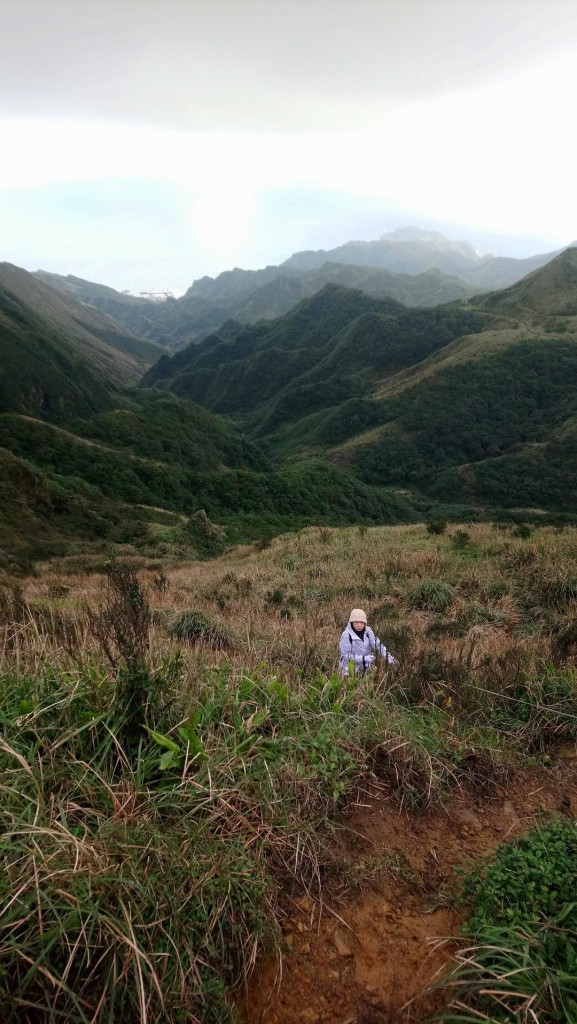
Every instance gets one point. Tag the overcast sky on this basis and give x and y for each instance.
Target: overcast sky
(148, 142)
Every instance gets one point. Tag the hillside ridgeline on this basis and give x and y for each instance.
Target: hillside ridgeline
(473, 401)
(417, 268)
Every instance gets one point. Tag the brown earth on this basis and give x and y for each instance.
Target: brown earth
(369, 948)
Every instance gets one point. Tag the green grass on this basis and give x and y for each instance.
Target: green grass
(522, 961)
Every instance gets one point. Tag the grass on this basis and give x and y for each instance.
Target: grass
(522, 961)
(176, 747)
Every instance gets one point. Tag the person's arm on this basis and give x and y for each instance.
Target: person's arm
(344, 654)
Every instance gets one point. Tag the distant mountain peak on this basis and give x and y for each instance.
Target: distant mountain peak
(414, 234)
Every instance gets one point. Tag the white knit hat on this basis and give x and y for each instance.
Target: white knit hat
(358, 615)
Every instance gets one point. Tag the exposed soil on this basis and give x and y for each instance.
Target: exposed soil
(367, 952)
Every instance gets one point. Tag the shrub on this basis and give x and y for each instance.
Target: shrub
(437, 527)
(122, 627)
(208, 539)
(461, 539)
(522, 530)
(432, 595)
(195, 627)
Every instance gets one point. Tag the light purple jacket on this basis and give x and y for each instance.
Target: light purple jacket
(361, 651)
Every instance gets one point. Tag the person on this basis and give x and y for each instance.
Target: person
(358, 644)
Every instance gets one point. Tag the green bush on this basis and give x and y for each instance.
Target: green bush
(531, 879)
(195, 627)
(437, 527)
(432, 595)
(521, 964)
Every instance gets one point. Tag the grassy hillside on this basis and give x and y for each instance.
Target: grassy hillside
(138, 314)
(119, 354)
(184, 770)
(550, 291)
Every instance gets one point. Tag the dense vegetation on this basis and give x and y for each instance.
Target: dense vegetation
(522, 963)
(481, 409)
(87, 460)
(358, 409)
(326, 351)
(108, 478)
(464, 403)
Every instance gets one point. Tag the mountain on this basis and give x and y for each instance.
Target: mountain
(475, 401)
(415, 267)
(551, 291)
(491, 418)
(327, 349)
(406, 251)
(87, 459)
(60, 357)
(136, 313)
(248, 296)
(413, 251)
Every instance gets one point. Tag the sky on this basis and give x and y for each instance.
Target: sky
(146, 143)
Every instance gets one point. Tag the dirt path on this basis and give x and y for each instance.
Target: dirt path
(367, 958)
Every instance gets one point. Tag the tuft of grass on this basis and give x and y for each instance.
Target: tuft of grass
(432, 595)
(195, 627)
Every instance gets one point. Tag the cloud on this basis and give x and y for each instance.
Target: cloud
(263, 65)
(147, 142)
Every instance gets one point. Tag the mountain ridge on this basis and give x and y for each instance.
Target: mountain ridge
(406, 397)
(416, 267)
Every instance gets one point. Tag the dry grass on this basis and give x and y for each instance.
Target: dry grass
(287, 604)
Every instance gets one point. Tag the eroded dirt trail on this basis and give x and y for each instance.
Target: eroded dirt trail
(366, 954)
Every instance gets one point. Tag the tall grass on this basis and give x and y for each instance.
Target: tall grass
(176, 744)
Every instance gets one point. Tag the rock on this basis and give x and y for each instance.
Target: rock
(341, 943)
(304, 904)
(467, 819)
(334, 975)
